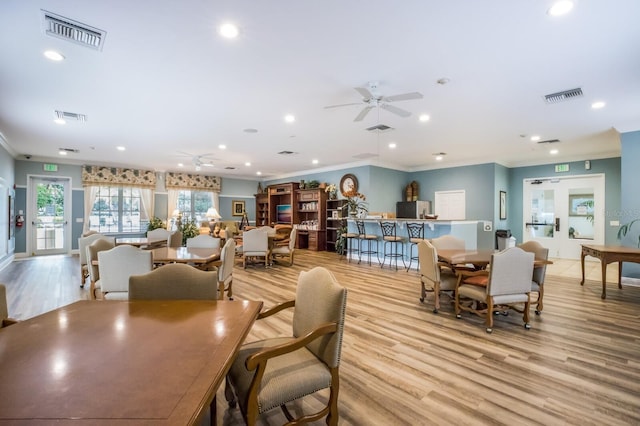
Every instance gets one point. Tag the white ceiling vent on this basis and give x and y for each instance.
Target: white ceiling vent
(287, 153)
(70, 30)
(72, 116)
(380, 127)
(550, 141)
(563, 96)
(69, 150)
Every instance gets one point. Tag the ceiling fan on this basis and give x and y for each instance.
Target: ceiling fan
(199, 161)
(373, 99)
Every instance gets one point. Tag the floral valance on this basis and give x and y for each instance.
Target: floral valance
(99, 175)
(186, 181)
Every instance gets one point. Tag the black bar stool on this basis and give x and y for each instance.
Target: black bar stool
(369, 238)
(352, 245)
(389, 237)
(416, 235)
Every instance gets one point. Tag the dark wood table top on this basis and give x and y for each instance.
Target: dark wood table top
(613, 249)
(185, 255)
(117, 362)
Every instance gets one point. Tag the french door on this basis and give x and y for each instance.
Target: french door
(50, 212)
(563, 213)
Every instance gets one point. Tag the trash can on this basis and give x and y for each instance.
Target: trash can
(503, 237)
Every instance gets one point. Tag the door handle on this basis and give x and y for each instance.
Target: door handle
(558, 224)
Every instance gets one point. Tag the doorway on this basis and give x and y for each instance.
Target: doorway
(563, 213)
(50, 210)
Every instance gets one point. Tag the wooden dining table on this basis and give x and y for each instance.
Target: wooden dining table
(196, 256)
(478, 258)
(121, 362)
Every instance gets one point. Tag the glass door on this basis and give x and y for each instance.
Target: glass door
(50, 212)
(562, 214)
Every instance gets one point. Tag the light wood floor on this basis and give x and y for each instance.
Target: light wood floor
(404, 365)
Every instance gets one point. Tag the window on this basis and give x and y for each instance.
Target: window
(118, 209)
(194, 205)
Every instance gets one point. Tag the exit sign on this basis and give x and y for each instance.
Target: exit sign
(50, 167)
(562, 168)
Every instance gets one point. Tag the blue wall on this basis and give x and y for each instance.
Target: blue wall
(630, 203)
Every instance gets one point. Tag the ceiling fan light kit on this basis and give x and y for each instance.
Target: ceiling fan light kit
(373, 99)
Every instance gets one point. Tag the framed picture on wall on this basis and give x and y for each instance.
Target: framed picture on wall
(237, 208)
(503, 205)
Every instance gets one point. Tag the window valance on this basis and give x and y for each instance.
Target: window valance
(99, 175)
(187, 181)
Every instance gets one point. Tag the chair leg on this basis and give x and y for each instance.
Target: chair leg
(526, 313)
(489, 318)
(540, 295)
(436, 297)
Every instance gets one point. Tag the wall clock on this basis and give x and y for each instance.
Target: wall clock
(348, 183)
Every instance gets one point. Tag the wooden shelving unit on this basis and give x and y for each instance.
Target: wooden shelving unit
(310, 215)
(262, 209)
(336, 219)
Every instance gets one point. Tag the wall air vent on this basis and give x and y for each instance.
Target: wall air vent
(64, 115)
(70, 30)
(380, 128)
(287, 153)
(550, 141)
(563, 96)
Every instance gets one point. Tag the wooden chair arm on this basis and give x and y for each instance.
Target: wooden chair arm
(463, 273)
(284, 305)
(263, 356)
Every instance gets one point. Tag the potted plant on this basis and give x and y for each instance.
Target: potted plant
(341, 242)
(189, 230)
(332, 190)
(155, 223)
(356, 203)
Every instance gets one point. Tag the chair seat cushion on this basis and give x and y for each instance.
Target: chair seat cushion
(416, 240)
(472, 291)
(286, 378)
(480, 280)
(391, 238)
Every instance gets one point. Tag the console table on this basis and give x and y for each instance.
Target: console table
(609, 254)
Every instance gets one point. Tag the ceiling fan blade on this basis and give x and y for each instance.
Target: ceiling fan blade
(395, 110)
(341, 105)
(364, 92)
(363, 113)
(403, 97)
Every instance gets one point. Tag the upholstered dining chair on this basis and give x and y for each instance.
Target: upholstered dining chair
(539, 272)
(175, 239)
(101, 244)
(83, 243)
(449, 242)
(225, 269)
(432, 277)
(174, 281)
(5, 321)
(255, 244)
(273, 372)
(507, 283)
(203, 241)
(117, 265)
(158, 237)
(288, 250)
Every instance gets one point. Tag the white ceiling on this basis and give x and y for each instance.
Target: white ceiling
(166, 82)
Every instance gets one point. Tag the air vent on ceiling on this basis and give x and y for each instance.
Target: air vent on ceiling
(365, 155)
(286, 153)
(70, 30)
(229, 168)
(380, 128)
(550, 141)
(70, 150)
(64, 115)
(563, 96)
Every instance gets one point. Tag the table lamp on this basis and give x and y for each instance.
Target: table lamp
(178, 216)
(213, 215)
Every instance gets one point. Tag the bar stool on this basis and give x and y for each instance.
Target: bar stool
(352, 245)
(369, 238)
(389, 237)
(416, 235)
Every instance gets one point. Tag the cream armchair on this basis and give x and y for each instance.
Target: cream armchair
(271, 373)
(537, 280)
(255, 244)
(174, 281)
(432, 277)
(117, 265)
(288, 250)
(83, 243)
(507, 283)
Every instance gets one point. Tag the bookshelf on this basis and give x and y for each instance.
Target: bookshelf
(336, 219)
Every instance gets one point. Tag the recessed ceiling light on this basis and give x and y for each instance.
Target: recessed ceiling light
(424, 117)
(439, 155)
(553, 152)
(62, 152)
(392, 145)
(314, 161)
(535, 138)
(180, 165)
(289, 118)
(60, 121)
(258, 172)
(560, 8)
(598, 105)
(229, 30)
(248, 164)
(121, 148)
(53, 55)
(222, 146)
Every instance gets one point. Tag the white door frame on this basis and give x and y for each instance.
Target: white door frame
(30, 218)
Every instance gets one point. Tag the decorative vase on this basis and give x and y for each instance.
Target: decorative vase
(333, 195)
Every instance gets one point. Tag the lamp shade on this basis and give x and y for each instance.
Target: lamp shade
(212, 213)
(176, 213)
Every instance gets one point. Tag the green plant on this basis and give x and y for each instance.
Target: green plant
(341, 242)
(189, 230)
(626, 228)
(312, 184)
(155, 223)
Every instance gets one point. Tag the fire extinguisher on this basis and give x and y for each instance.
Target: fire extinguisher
(19, 219)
